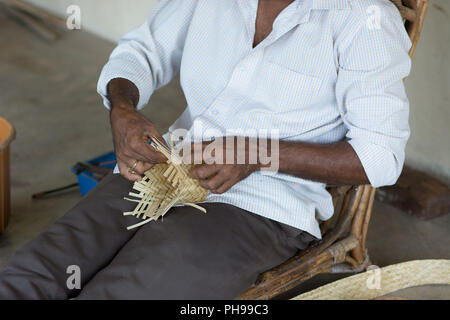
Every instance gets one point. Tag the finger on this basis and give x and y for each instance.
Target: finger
(215, 182)
(125, 171)
(139, 149)
(152, 135)
(204, 171)
(137, 166)
(151, 150)
(224, 187)
(142, 167)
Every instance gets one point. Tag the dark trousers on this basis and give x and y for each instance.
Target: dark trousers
(187, 255)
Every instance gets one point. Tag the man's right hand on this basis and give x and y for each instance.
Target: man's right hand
(131, 133)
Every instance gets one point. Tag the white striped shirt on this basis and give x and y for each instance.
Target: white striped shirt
(330, 70)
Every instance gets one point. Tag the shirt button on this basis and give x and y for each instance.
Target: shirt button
(214, 112)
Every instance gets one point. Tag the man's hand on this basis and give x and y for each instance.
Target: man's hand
(220, 177)
(131, 132)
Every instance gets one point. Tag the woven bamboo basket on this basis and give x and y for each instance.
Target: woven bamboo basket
(163, 187)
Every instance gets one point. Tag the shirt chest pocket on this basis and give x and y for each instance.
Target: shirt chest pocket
(280, 90)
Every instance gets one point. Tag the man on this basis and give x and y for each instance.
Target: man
(326, 74)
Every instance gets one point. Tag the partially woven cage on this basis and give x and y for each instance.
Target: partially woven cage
(163, 187)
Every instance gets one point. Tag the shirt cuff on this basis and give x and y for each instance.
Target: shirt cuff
(131, 71)
(379, 164)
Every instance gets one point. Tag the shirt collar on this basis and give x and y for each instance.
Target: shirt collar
(330, 4)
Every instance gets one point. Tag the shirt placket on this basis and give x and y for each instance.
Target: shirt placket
(244, 72)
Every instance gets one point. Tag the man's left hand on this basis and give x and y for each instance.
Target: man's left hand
(219, 176)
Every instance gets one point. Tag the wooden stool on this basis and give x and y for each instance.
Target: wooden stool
(7, 135)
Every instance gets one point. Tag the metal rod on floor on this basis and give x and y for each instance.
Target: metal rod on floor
(44, 194)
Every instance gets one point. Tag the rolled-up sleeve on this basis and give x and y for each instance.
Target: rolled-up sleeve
(150, 55)
(371, 95)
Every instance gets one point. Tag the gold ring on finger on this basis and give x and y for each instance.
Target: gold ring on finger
(131, 169)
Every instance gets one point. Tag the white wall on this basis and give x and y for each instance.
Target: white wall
(428, 86)
(109, 19)
(428, 89)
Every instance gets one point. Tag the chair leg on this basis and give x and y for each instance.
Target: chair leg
(275, 285)
(360, 223)
(296, 271)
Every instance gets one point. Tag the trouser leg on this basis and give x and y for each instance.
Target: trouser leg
(192, 255)
(88, 236)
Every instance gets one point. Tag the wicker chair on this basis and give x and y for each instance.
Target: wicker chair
(343, 245)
